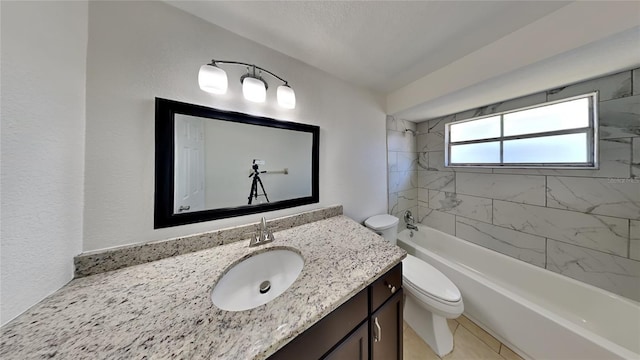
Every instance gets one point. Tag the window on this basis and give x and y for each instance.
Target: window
(557, 134)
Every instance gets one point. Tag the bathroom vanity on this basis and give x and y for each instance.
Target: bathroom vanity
(345, 304)
(368, 326)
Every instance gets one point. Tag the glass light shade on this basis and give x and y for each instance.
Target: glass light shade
(286, 97)
(212, 79)
(254, 89)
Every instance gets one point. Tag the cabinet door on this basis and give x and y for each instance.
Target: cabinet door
(355, 347)
(386, 330)
(316, 341)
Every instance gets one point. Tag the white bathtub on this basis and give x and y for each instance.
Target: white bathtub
(538, 313)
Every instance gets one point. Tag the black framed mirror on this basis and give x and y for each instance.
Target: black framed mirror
(214, 164)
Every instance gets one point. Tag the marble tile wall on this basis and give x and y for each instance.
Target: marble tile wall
(472, 207)
(634, 237)
(584, 224)
(402, 167)
(635, 155)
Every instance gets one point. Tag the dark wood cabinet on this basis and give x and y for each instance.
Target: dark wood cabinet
(386, 330)
(323, 336)
(386, 285)
(366, 327)
(354, 347)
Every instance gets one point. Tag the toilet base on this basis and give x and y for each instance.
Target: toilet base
(432, 328)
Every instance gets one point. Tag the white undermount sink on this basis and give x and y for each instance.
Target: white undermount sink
(257, 280)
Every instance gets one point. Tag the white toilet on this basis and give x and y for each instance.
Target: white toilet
(431, 297)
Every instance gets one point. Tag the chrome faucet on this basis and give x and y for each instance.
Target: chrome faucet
(410, 221)
(262, 236)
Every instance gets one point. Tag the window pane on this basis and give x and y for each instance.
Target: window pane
(481, 153)
(570, 148)
(476, 129)
(565, 115)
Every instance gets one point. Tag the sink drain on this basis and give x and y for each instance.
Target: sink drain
(265, 286)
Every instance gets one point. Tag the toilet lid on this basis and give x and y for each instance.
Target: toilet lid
(381, 222)
(429, 280)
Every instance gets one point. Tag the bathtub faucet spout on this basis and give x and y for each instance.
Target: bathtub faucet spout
(410, 221)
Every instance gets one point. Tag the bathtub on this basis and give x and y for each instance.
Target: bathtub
(537, 313)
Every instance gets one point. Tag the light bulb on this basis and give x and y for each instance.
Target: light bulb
(254, 89)
(286, 97)
(212, 79)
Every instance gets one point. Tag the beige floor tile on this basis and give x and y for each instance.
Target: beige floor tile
(466, 346)
(508, 353)
(452, 325)
(476, 330)
(414, 348)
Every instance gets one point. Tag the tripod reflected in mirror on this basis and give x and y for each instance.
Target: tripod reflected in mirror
(253, 193)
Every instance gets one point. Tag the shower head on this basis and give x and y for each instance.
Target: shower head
(411, 131)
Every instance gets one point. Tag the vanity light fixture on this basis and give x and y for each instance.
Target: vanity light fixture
(213, 79)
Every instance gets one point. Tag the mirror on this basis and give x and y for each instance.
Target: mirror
(213, 164)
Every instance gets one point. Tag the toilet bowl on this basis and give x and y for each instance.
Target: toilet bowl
(431, 298)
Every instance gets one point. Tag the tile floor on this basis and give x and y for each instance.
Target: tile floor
(469, 342)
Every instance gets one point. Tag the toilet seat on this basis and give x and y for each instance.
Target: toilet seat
(431, 287)
(381, 222)
(427, 294)
(429, 280)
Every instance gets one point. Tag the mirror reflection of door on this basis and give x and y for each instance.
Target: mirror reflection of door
(189, 194)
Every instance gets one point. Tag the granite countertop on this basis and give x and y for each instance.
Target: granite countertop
(163, 309)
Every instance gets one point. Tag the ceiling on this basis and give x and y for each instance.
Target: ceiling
(385, 46)
(380, 45)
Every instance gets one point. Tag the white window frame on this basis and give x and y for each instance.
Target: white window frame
(591, 131)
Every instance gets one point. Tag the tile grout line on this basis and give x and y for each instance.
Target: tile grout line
(546, 190)
(455, 225)
(493, 210)
(546, 252)
(629, 242)
(481, 329)
(632, 160)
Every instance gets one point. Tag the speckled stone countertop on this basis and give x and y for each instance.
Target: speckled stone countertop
(163, 309)
(95, 262)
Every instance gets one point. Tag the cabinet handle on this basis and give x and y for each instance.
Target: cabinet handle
(391, 288)
(377, 336)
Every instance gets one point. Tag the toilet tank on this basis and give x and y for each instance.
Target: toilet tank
(385, 225)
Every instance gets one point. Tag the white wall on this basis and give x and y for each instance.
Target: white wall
(140, 50)
(43, 74)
